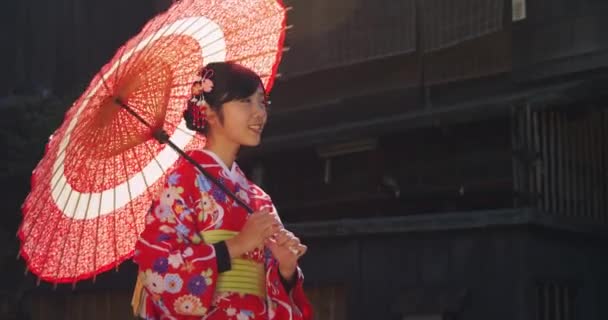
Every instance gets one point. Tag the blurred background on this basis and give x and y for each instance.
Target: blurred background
(443, 160)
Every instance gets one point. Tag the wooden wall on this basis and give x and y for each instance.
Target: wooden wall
(440, 168)
(561, 163)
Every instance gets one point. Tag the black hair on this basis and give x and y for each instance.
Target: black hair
(231, 81)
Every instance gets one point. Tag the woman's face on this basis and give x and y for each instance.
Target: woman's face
(243, 120)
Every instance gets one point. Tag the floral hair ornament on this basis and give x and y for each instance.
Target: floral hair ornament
(196, 113)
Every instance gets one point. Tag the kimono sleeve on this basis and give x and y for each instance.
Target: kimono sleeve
(292, 304)
(289, 305)
(178, 269)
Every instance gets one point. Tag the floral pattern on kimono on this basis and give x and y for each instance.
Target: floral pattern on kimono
(180, 271)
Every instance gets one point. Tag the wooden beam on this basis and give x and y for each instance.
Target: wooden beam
(444, 222)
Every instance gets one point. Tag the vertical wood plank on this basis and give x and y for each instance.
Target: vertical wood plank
(546, 162)
(538, 164)
(559, 158)
(529, 163)
(586, 173)
(568, 145)
(579, 209)
(604, 162)
(594, 164)
(553, 154)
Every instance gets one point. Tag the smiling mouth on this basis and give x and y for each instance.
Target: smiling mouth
(257, 128)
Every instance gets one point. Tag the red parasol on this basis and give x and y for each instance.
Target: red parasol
(103, 166)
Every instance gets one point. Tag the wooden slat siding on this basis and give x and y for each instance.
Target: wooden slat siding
(601, 177)
(568, 147)
(547, 303)
(592, 169)
(556, 164)
(579, 172)
(576, 197)
(538, 164)
(603, 172)
(585, 167)
(552, 161)
(568, 142)
(528, 156)
(589, 189)
(559, 175)
(104, 305)
(593, 172)
(329, 302)
(569, 165)
(604, 163)
(524, 130)
(563, 127)
(576, 185)
(572, 207)
(557, 303)
(546, 163)
(515, 145)
(599, 166)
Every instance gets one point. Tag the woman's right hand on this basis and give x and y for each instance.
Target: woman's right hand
(258, 227)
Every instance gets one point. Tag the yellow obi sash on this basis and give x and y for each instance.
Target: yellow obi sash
(245, 276)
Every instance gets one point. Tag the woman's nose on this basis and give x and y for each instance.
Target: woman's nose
(260, 109)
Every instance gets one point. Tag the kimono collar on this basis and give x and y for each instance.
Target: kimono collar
(232, 173)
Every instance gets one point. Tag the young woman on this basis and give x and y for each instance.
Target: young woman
(201, 255)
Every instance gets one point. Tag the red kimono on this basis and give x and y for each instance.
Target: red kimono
(180, 265)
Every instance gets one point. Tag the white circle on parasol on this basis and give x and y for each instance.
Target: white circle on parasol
(79, 205)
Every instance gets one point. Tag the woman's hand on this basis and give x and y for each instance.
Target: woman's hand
(259, 227)
(287, 249)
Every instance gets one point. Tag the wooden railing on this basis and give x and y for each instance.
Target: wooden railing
(560, 162)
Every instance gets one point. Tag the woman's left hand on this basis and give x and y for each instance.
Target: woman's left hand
(287, 249)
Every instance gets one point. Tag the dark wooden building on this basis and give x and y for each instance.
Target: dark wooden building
(443, 160)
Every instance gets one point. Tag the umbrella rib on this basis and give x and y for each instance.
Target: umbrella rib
(98, 220)
(58, 221)
(141, 172)
(66, 235)
(114, 217)
(214, 41)
(144, 32)
(34, 209)
(95, 138)
(92, 138)
(46, 255)
(136, 40)
(48, 217)
(256, 37)
(187, 132)
(124, 160)
(118, 127)
(144, 52)
(134, 220)
(156, 105)
(155, 160)
(35, 204)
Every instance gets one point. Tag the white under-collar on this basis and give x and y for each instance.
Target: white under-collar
(232, 172)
